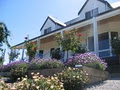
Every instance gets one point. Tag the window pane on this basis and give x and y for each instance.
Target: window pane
(104, 54)
(103, 41)
(88, 15)
(114, 34)
(45, 31)
(95, 12)
(91, 43)
(49, 29)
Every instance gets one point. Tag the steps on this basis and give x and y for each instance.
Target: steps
(114, 75)
(114, 69)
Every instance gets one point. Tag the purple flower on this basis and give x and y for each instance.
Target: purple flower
(85, 59)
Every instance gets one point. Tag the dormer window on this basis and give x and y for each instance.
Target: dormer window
(47, 30)
(91, 13)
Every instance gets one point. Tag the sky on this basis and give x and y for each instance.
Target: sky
(25, 17)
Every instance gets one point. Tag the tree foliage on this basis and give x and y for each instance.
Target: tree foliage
(4, 34)
(69, 40)
(31, 49)
(13, 55)
(116, 45)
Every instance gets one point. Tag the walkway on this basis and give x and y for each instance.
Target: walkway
(113, 84)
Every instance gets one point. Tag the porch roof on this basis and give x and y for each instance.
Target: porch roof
(81, 23)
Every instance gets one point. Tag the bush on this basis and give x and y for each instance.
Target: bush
(8, 67)
(37, 83)
(56, 54)
(45, 64)
(18, 69)
(73, 78)
(87, 59)
(116, 45)
(81, 49)
(5, 68)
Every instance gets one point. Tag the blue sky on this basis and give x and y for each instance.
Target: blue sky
(24, 17)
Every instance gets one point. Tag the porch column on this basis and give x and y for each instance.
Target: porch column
(62, 36)
(38, 44)
(95, 28)
(23, 52)
(63, 53)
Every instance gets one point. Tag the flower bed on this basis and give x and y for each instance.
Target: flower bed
(39, 64)
(39, 82)
(14, 69)
(87, 59)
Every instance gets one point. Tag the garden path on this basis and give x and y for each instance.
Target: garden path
(112, 84)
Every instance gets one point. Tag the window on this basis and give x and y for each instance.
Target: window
(113, 35)
(91, 43)
(88, 15)
(104, 53)
(103, 40)
(39, 54)
(91, 13)
(51, 51)
(47, 30)
(95, 12)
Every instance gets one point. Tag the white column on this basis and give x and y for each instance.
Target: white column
(23, 52)
(62, 36)
(38, 44)
(110, 43)
(95, 28)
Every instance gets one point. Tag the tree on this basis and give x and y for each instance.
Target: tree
(4, 34)
(69, 41)
(13, 55)
(31, 49)
(116, 46)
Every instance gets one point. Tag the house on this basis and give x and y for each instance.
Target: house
(98, 22)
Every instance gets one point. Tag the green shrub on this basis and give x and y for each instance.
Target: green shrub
(116, 45)
(45, 64)
(96, 65)
(81, 49)
(19, 69)
(73, 78)
(56, 54)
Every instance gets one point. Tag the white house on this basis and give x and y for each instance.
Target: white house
(97, 20)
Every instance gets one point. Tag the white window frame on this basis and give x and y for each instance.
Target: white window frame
(110, 47)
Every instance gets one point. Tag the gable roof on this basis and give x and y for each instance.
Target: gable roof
(103, 1)
(54, 21)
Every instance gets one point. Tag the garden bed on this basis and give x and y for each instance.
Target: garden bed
(45, 72)
(94, 75)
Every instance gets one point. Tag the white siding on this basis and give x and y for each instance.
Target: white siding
(92, 4)
(48, 24)
(51, 24)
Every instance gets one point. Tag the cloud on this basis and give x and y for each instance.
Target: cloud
(116, 4)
